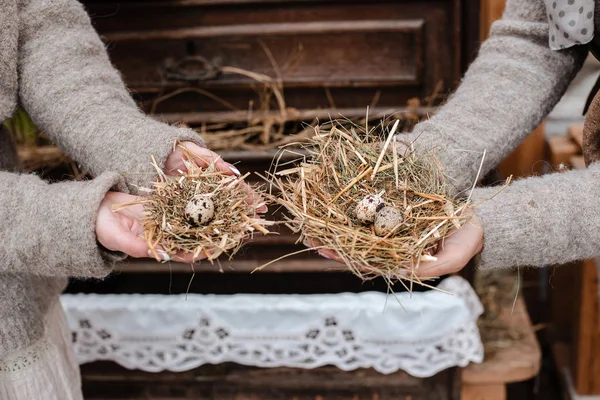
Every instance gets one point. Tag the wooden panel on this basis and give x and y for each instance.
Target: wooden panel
(228, 382)
(383, 49)
(516, 363)
(562, 148)
(491, 10)
(143, 57)
(288, 115)
(586, 338)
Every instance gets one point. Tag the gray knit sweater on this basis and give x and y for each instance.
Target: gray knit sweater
(54, 64)
(512, 85)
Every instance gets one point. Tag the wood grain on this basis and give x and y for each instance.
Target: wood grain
(515, 363)
(229, 382)
(391, 50)
(577, 162)
(561, 149)
(586, 337)
(483, 392)
(576, 133)
(323, 114)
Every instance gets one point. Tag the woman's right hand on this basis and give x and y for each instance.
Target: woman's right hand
(453, 254)
(455, 251)
(123, 230)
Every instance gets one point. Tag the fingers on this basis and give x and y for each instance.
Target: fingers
(132, 245)
(325, 253)
(254, 198)
(449, 261)
(188, 258)
(204, 157)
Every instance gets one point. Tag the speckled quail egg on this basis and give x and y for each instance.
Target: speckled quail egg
(200, 210)
(367, 208)
(387, 219)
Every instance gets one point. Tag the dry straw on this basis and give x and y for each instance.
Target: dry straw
(234, 222)
(269, 123)
(337, 168)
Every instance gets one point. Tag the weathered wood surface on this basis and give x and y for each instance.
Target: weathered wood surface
(389, 50)
(225, 382)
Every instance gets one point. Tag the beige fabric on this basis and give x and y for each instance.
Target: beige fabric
(55, 66)
(46, 370)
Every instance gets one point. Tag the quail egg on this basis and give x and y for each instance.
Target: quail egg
(367, 208)
(200, 210)
(387, 219)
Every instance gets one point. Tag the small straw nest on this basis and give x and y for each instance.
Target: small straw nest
(338, 168)
(235, 220)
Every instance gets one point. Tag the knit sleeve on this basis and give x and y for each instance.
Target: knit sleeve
(546, 220)
(49, 229)
(73, 93)
(514, 82)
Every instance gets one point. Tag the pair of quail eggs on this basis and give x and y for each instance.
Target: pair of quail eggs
(372, 210)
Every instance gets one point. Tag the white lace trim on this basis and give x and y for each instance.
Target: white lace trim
(422, 333)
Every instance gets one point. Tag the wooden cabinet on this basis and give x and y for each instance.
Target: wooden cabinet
(325, 54)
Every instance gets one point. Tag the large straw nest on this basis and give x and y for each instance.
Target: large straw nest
(337, 169)
(235, 221)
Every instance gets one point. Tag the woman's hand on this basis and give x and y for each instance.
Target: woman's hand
(204, 157)
(453, 253)
(123, 231)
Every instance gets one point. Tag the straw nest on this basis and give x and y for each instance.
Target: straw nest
(234, 220)
(337, 169)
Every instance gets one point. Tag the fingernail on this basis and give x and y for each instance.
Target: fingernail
(324, 255)
(235, 170)
(163, 255)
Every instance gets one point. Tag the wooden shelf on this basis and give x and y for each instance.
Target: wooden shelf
(517, 362)
(236, 266)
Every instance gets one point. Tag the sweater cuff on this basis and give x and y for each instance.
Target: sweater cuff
(111, 256)
(538, 221)
(53, 227)
(91, 260)
(500, 226)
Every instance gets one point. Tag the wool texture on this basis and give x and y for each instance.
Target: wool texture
(54, 64)
(514, 82)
